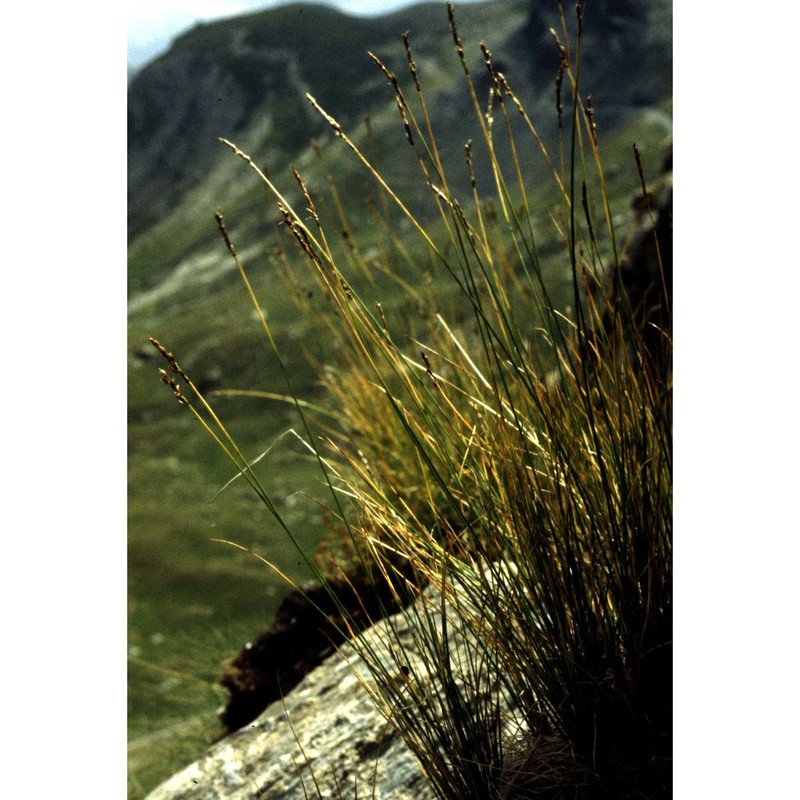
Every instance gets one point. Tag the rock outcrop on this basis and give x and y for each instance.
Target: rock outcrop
(646, 267)
(644, 271)
(327, 738)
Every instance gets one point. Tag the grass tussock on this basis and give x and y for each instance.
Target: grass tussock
(498, 430)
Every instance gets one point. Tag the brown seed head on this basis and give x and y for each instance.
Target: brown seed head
(176, 390)
(224, 231)
(168, 357)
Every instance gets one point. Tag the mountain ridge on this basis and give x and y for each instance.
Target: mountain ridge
(245, 78)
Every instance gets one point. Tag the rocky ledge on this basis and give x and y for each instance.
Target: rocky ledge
(326, 738)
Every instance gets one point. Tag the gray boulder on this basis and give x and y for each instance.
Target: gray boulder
(327, 738)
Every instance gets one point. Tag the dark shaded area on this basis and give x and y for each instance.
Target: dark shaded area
(639, 287)
(645, 271)
(308, 626)
(630, 746)
(626, 51)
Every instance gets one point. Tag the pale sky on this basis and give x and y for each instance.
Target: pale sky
(153, 24)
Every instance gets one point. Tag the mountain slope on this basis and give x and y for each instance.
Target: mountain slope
(246, 78)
